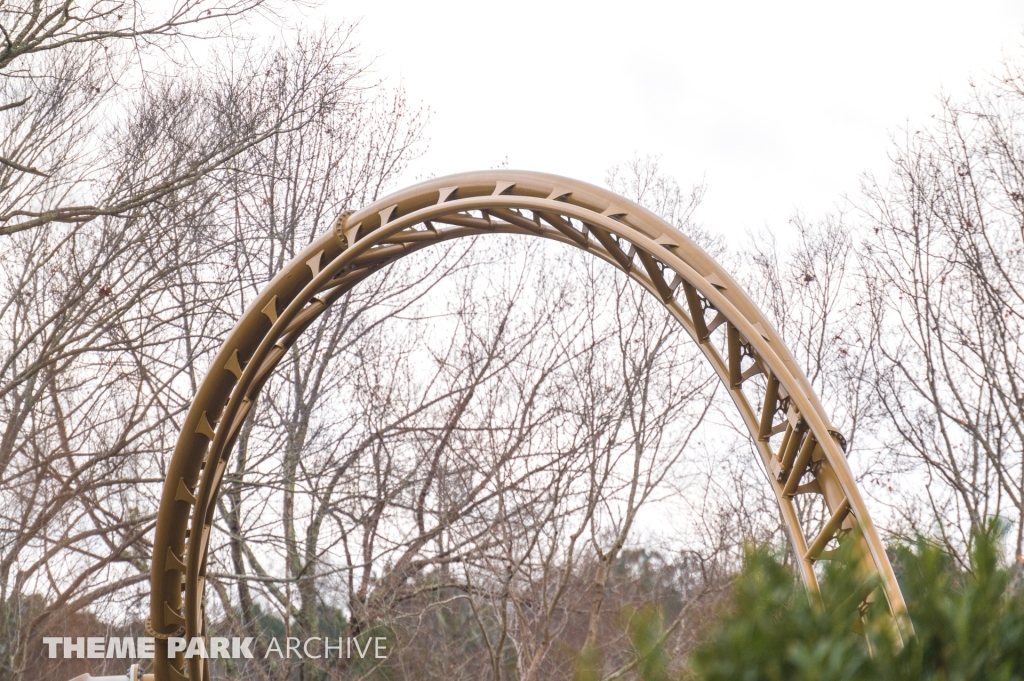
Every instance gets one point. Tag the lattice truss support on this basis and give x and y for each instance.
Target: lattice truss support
(799, 448)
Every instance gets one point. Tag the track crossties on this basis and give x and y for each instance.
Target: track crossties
(799, 448)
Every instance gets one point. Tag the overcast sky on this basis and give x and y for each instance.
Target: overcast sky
(779, 106)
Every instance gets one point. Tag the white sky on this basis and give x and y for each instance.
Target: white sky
(779, 106)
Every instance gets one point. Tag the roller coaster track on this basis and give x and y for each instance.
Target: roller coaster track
(799, 448)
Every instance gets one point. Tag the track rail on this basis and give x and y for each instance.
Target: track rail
(799, 448)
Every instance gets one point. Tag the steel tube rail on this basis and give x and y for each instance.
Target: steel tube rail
(773, 396)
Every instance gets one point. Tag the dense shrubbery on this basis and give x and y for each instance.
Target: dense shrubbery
(969, 623)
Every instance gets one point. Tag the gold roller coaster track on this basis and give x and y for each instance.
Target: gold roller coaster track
(799, 447)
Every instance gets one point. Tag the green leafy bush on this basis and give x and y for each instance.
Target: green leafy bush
(969, 622)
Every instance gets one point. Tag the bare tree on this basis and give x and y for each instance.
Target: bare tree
(35, 27)
(107, 322)
(943, 259)
(475, 437)
(69, 69)
(906, 312)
